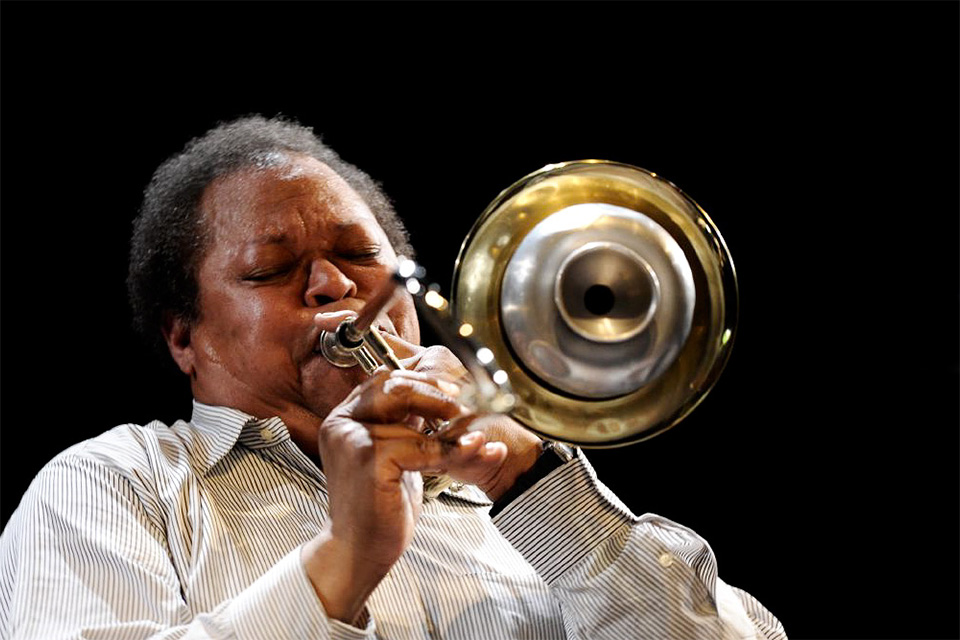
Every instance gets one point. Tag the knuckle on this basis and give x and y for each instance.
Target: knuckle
(396, 385)
(438, 358)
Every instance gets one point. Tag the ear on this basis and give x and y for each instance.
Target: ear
(176, 333)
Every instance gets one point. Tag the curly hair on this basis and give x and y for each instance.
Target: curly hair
(169, 240)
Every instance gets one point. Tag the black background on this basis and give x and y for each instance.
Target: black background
(820, 137)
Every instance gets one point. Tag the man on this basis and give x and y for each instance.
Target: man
(291, 505)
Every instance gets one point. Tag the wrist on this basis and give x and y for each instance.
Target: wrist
(552, 456)
(341, 578)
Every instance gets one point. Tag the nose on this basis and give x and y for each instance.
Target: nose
(327, 283)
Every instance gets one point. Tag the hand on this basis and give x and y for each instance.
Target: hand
(372, 452)
(510, 449)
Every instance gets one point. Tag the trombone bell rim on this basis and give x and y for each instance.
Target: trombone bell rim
(482, 289)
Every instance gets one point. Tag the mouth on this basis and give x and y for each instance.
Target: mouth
(335, 348)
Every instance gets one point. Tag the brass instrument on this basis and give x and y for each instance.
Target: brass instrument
(593, 301)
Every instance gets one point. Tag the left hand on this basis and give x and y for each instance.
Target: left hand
(510, 449)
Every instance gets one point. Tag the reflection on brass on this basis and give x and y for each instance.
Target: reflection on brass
(606, 294)
(593, 301)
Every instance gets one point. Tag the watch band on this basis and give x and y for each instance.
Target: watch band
(553, 455)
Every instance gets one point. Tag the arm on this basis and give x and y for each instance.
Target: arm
(618, 575)
(81, 557)
(372, 449)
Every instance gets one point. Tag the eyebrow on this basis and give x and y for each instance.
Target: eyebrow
(271, 237)
(281, 237)
(347, 226)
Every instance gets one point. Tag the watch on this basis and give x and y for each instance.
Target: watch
(564, 452)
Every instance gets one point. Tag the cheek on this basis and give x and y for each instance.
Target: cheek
(244, 325)
(404, 318)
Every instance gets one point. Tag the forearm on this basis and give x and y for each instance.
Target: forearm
(616, 574)
(284, 604)
(341, 579)
(562, 518)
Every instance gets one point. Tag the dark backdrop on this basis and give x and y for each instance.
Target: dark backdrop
(821, 138)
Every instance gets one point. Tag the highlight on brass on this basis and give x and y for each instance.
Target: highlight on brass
(593, 301)
(605, 294)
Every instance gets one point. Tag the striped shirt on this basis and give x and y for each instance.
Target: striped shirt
(194, 531)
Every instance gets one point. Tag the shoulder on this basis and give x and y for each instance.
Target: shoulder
(137, 465)
(130, 448)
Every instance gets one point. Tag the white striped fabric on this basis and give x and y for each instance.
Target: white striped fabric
(194, 530)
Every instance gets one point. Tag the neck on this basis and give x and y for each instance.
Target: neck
(302, 423)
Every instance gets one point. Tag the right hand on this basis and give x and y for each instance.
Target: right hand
(372, 453)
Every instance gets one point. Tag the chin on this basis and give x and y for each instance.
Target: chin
(326, 386)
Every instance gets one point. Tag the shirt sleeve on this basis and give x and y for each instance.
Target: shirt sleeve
(618, 575)
(81, 558)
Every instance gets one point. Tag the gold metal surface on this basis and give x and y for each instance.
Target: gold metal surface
(657, 405)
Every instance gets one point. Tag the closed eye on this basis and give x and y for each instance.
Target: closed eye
(366, 254)
(268, 274)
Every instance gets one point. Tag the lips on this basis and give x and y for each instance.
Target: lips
(336, 350)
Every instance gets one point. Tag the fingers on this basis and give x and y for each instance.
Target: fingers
(474, 451)
(424, 453)
(384, 452)
(395, 448)
(441, 361)
(407, 352)
(458, 427)
(382, 422)
(437, 360)
(395, 396)
(470, 457)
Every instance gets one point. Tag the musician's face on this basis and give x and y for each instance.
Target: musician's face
(283, 244)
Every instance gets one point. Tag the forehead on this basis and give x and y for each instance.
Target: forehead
(293, 191)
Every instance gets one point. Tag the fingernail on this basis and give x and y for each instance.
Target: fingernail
(448, 387)
(492, 448)
(469, 438)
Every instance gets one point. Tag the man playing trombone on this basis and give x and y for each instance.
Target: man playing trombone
(291, 504)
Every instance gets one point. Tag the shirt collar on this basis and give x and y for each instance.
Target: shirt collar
(219, 429)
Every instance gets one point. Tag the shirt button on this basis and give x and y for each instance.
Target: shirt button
(456, 487)
(666, 560)
(266, 434)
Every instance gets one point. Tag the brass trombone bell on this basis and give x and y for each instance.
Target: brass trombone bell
(605, 293)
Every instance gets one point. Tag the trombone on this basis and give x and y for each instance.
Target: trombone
(592, 301)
